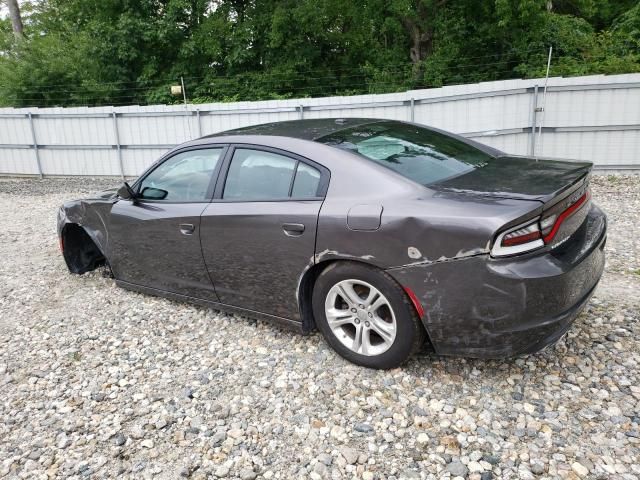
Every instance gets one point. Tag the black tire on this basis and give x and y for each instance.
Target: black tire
(410, 333)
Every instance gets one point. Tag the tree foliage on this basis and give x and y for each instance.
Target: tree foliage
(113, 52)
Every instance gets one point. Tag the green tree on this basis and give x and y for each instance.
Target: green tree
(111, 52)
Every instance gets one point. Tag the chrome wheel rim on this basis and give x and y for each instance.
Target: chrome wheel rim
(360, 317)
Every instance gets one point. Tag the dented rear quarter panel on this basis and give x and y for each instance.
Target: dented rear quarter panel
(496, 307)
(417, 224)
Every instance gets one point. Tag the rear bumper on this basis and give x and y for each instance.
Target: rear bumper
(493, 308)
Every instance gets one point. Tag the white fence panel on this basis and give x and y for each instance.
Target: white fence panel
(604, 148)
(593, 118)
(74, 130)
(15, 131)
(18, 162)
(81, 162)
(137, 160)
(513, 143)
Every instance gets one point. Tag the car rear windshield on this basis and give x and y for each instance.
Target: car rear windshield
(418, 153)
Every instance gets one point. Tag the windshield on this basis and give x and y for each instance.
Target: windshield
(418, 153)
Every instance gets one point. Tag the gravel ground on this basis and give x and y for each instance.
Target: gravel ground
(99, 382)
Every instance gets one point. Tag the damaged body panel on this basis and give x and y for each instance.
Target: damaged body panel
(82, 228)
(497, 254)
(486, 307)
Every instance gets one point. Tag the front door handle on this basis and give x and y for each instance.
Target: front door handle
(293, 229)
(187, 228)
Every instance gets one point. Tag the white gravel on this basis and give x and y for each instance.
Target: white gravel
(99, 382)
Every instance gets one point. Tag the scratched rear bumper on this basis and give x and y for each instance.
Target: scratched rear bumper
(491, 308)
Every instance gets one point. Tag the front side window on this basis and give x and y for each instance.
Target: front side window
(420, 154)
(261, 175)
(185, 177)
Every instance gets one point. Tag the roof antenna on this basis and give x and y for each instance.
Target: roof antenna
(544, 103)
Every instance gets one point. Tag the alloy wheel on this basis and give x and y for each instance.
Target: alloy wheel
(360, 317)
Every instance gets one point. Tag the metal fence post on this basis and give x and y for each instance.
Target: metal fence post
(35, 144)
(412, 107)
(199, 123)
(534, 121)
(118, 147)
(301, 109)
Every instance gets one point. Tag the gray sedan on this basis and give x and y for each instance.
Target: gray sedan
(379, 233)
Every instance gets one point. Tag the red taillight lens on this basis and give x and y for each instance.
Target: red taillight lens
(520, 239)
(551, 224)
(522, 235)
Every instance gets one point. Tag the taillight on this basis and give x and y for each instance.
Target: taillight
(520, 239)
(535, 233)
(550, 223)
(522, 235)
(546, 224)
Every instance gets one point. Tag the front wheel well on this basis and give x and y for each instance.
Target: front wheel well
(80, 252)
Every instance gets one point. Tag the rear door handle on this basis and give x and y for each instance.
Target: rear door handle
(187, 228)
(293, 229)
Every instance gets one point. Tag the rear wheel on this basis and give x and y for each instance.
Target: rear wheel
(366, 316)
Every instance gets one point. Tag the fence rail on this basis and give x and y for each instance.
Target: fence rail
(594, 118)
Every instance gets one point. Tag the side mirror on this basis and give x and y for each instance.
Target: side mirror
(126, 192)
(151, 193)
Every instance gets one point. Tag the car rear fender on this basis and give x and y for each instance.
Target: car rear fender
(428, 229)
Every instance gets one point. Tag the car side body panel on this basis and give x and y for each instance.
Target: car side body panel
(148, 247)
(248, 251)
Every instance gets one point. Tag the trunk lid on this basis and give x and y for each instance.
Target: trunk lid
(557, 190)
(524, 178)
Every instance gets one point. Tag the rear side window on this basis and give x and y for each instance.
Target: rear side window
(306, 182)
(418, 153)
(261, 175)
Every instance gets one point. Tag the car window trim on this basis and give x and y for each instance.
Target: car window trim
(293, 178)
(224, 147)
(323, 184)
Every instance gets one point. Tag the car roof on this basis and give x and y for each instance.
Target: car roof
(309, 129)
(317, 128)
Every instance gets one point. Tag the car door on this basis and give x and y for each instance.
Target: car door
(259, 232)
(155, 238)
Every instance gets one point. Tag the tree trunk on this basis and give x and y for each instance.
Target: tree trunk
(420, 27)
(421, 41)
(421, 46)
(16, 19)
